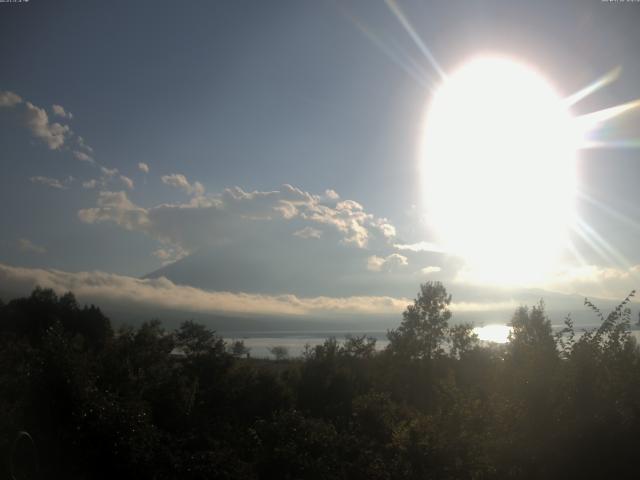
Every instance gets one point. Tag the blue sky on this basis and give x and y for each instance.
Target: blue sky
(326, 97)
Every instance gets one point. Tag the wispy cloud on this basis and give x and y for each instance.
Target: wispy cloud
(50, 182)
(9, 99)
(308, 232)
(419, 247)
(430, 269)
(610, 283)
(26, 245)
(126, 181)
(82, 156)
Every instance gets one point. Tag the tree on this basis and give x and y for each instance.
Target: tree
(238, 349)
(424, 325)
(196, 340)
(462, 339)
(531, 332)
(359, 346)
(279, 352)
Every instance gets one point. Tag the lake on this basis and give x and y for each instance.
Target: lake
(295, 341)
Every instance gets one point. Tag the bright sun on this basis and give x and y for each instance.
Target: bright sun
(499, 170)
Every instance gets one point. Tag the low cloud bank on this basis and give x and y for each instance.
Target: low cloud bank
(161, 293)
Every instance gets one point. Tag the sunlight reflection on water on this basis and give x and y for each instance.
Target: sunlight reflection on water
(493, 333)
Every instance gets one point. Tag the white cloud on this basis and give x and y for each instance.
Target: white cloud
(60, 112)
(180, 181)
(160, 293)
(331, 194)
(143, 167)
(89, 184)
(83, 144)
(507, 305)
(26, 245)
(388, 230)
(308, 232)
(37, 121)
(419, 247)
(169, 254)
(50, 182)
(83, 156)
(127, 182)
(387, 264)
(595, 281)
(116, 207)
(109, 172)
(9, 99)
(430, 269)
(212, 218)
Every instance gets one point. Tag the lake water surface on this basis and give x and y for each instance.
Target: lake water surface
(295, 341)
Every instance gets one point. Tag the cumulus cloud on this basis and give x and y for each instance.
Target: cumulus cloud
(211, 218)
(116, 207)
(60, 112)
(101, 288)
(53, 134)
(37, 121)
(143, 167)
(349, 217)
(180, 181)
(50, 182)
(331, 194)
(386, 264)
(90, 184)
(26, 245)
(9, 99)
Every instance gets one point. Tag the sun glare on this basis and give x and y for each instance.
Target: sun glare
(493, 333)
(499, 169)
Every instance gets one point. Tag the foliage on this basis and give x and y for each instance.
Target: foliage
(279, 352)
(424, 325)
(145, 402)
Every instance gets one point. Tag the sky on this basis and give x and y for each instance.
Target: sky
(254, 157)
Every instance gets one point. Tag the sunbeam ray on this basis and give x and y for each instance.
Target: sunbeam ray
(589, 144)
(401, 59)
(395, 9)
(582, 233)
(589, 120)
(603, 81)
(608, 210)
(616, 256)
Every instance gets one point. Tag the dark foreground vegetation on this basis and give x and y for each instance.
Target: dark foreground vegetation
(146, 403)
